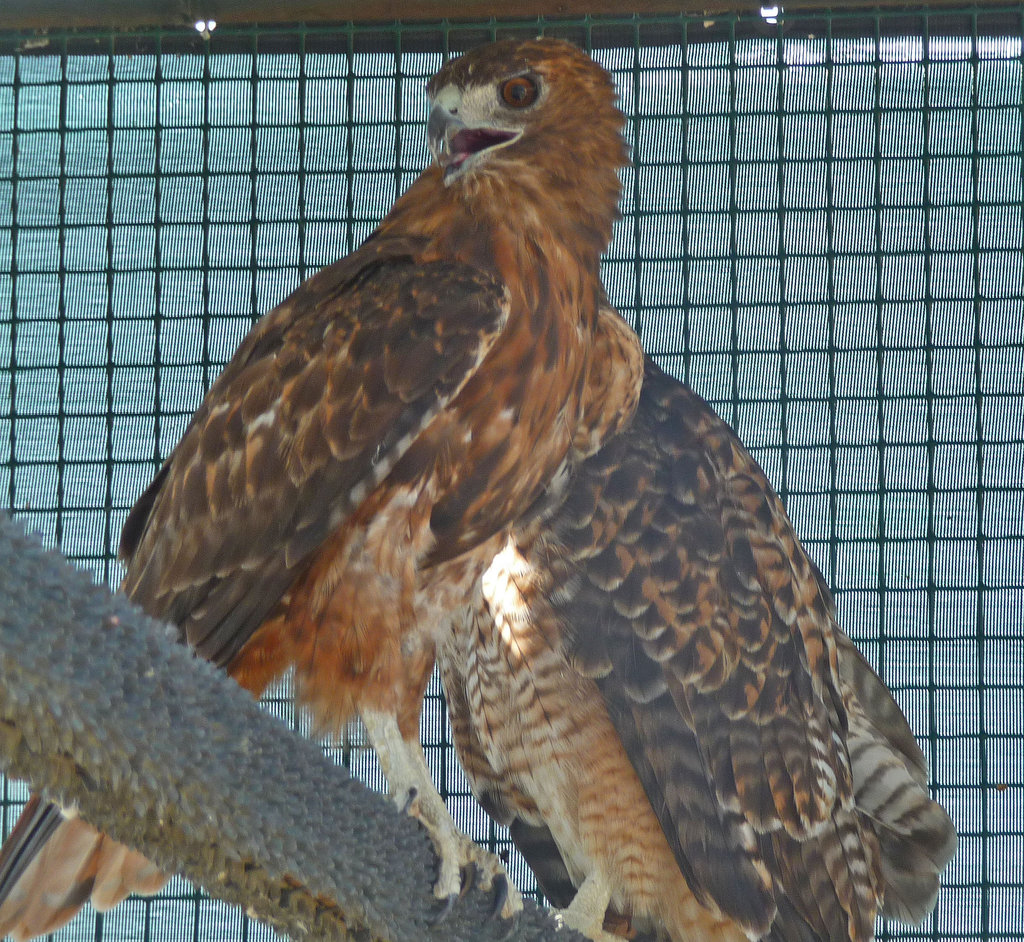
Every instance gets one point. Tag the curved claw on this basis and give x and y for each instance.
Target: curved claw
(470, 874)
(445, 911)
(500, 888)
(410, 796)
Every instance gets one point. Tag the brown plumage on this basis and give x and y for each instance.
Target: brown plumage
(654, 694)
(354, 467)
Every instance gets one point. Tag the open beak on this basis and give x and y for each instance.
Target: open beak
(442, 127)
(453, 144)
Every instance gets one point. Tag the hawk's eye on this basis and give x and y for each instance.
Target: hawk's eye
(519, 92)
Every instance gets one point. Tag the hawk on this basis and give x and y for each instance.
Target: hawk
(360, 460)
(653, 693)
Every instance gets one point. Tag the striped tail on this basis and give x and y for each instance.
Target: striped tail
(890, 779)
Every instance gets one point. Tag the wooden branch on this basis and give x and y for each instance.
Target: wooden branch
(102, 709)
(132, 14)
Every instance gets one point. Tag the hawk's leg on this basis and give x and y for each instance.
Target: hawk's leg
(586, 912)
(413, 790)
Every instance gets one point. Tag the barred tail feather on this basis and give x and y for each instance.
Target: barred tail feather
(916, 836)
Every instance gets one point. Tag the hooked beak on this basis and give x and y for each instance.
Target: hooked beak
(453, 144)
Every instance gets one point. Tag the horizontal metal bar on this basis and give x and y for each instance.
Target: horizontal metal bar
(138, 14)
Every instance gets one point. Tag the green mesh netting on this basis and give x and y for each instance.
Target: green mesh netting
(823, 233)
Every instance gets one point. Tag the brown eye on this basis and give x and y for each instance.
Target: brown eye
(519, 92)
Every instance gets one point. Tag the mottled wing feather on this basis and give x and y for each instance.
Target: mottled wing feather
(827, 884)
(478, 505)
(319, 403)
(703, 624)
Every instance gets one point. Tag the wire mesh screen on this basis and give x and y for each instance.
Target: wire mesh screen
(822, 232)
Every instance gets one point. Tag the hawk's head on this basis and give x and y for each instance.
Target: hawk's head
(526, 100)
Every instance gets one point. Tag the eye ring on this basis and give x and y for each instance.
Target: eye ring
(519, 92)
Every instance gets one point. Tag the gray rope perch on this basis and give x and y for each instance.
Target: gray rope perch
(101, 709)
